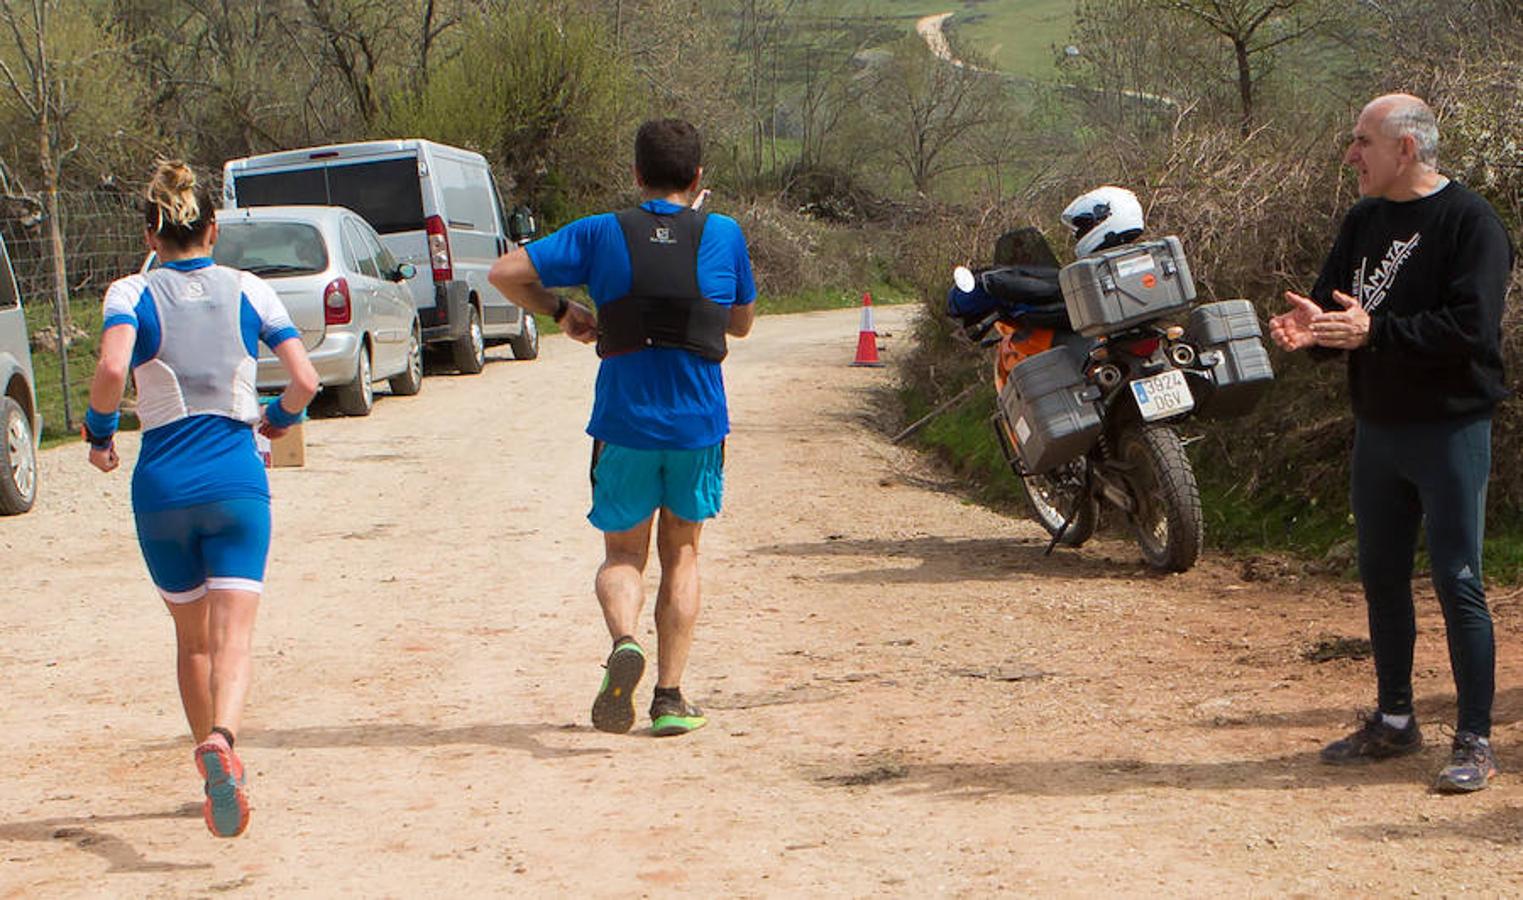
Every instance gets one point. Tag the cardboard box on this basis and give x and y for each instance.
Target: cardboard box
(290, 449)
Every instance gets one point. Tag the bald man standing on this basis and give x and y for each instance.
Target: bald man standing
(1412, 295)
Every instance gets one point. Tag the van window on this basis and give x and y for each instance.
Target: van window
(467, 195)
(9, 298)
(385, 193)
(271, 249)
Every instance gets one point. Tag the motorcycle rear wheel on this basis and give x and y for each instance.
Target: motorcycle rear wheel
(1054, 496)
(1168, 516)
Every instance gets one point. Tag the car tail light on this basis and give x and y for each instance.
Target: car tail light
(438, 249)
(336, 307)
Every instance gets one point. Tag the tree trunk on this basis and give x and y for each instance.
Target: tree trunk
(1244, 83)
(60, 268)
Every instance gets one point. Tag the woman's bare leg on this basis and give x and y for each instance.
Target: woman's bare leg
(231, 633)
(194, 664)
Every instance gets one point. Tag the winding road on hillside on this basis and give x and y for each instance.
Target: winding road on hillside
(932, 29)
(907, 697)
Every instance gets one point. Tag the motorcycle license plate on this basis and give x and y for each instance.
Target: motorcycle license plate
(1163, 395)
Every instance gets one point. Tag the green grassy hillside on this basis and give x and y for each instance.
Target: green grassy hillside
(1019, 35)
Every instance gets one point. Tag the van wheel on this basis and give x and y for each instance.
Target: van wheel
(470, 349)
(357, 398)
(410, 381)
(18, 459)
(526, 345)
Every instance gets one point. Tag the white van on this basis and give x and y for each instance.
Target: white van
(435, 207)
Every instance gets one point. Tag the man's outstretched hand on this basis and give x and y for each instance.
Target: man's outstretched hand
(1293, 330)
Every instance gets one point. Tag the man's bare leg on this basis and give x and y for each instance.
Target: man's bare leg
(621, 579)
(677, 600)
(621, 592)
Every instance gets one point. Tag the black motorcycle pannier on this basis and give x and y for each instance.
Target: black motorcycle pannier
(1228, 339)
(1052, 412)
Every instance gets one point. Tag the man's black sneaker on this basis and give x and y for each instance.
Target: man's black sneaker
(1375, 739)
(672, 716)
(1472, 765)
(614, 709)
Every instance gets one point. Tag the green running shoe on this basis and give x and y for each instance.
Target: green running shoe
(614, 709)
(669, 717)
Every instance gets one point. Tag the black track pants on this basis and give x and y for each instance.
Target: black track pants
(1429, 475)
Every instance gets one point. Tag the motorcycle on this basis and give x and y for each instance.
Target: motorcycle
(1093, 377)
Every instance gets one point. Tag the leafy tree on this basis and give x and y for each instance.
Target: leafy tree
(539, 95)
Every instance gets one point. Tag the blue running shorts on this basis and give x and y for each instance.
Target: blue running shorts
(212, 546)
(629, 485)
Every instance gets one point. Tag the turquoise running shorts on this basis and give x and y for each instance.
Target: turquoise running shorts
(629, 485)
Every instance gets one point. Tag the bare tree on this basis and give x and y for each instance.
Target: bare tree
(353, 46)
(920, 108)
(1252, 27)
(42, 87)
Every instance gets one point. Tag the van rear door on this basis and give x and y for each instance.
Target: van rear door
(384, 191)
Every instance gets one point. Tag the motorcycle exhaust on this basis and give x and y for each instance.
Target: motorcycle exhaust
(1108, 376)
(1183, 355)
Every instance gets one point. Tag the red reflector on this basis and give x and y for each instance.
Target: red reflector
(438, 249)
(336, 306)
(1143, 348)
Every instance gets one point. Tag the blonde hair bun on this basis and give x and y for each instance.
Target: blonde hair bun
(173, 190)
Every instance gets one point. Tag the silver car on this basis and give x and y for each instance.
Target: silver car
(19, 422)
(345, 293)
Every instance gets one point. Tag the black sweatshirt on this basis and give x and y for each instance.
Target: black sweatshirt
(1432, 273)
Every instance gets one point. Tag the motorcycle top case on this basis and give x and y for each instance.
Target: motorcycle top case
(1050, 409)
(1228, 340)
(1126, 286)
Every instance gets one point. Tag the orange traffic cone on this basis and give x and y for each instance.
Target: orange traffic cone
(867, 336)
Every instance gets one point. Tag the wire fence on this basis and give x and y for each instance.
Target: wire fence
(100, 232)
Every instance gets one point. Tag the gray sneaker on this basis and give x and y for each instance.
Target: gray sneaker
(1472, 765)
(1375, 739)
(614, 709)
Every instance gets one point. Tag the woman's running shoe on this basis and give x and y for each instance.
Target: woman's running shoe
(227, 797)
(614, 709)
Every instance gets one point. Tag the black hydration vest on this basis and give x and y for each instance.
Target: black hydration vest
(663, 307)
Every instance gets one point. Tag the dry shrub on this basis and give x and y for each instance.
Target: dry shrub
(793, 253)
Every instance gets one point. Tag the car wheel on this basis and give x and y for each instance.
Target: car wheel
(411, 379)
(470, 349)
(526, 345)
(357, 398)
(18, 459)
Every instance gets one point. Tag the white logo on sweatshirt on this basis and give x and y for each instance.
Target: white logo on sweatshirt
(1372, 289)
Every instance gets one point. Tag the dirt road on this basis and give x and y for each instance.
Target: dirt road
(906, 696)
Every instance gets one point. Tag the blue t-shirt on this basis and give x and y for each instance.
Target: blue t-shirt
(660, 398)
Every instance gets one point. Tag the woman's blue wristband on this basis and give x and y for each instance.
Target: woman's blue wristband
(277, 415)
(100, 427)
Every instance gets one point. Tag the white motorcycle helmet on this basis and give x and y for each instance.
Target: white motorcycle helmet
(1103, 218)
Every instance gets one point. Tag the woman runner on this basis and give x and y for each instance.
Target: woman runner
(189, 332)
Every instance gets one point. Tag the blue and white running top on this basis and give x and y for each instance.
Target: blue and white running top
(198, 331)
